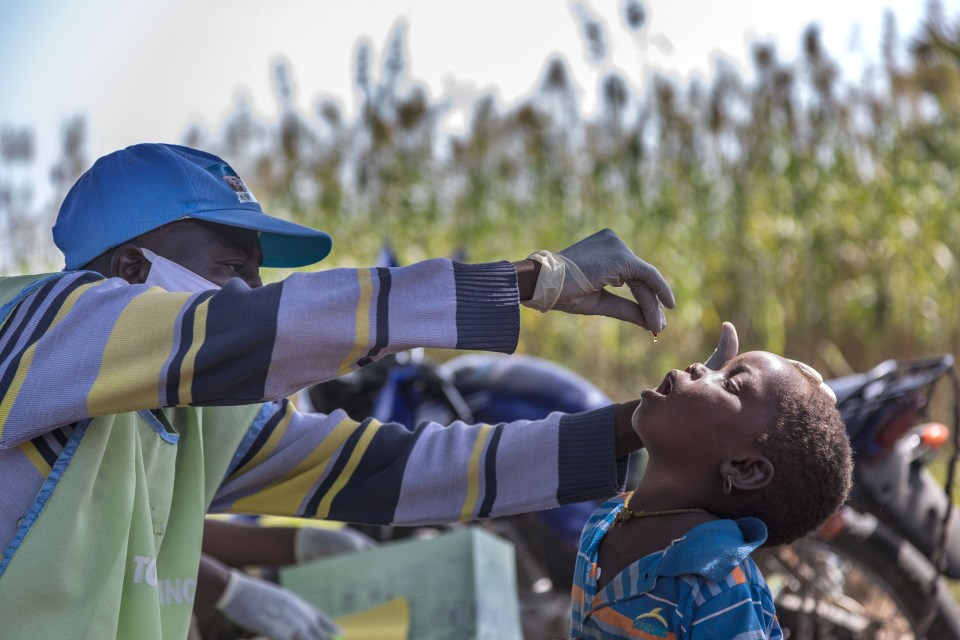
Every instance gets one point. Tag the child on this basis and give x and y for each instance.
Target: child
(753, 453)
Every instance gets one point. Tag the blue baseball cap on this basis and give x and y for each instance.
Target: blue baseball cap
(145, 186)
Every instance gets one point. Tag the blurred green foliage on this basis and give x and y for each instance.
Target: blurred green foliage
(819, 216)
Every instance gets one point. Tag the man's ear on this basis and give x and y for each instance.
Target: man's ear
(750, 473)
(129, 263)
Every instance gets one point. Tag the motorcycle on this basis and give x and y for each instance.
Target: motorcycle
(870, 572)
(876, 570)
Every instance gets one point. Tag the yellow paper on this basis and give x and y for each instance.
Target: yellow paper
(387, 621)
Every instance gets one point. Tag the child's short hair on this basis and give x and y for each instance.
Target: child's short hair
(808, 446)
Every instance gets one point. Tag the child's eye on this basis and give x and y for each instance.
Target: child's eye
(731, 386)
(234, 266)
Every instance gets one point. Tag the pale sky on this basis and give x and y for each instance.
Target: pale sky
(144, 71)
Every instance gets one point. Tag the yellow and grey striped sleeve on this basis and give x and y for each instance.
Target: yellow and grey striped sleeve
(334, 467)
(82, 346)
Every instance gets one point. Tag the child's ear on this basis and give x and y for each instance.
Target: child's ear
(749, 473)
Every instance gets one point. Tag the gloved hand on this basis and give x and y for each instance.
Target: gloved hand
(310, 543)
(573, 280)
(726, 349)
(264, 608)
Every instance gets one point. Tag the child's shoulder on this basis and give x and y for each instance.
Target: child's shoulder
(739, 602)
(716, 550)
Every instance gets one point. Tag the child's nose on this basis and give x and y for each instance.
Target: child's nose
(696, 370)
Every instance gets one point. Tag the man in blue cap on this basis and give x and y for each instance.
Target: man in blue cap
(146, 385)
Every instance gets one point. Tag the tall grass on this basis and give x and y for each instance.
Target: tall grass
(817, 213)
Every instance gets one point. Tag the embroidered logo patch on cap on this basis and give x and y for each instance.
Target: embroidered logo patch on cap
(223, 170)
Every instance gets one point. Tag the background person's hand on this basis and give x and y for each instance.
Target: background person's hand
(573, 280)
(265, 608)
(311, 543)
(726, 349)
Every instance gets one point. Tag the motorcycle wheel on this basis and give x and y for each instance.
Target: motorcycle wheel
(863, 582)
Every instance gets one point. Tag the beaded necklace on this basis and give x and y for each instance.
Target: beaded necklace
(628, 514)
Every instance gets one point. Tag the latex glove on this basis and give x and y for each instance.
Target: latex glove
(726, 349)
(573, 280)
(310, 543)
(265, 608)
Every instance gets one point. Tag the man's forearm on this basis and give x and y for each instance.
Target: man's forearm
(212, 579)
(241, 545)
(527, 273)
(438, 473)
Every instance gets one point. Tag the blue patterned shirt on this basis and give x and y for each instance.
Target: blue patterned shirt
(704, 585)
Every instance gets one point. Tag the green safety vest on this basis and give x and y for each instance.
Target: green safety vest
(111, 546)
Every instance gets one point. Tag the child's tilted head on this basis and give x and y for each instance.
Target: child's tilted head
(760, 437)
(808, 446)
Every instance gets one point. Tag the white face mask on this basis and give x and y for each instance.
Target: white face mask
(170, 276)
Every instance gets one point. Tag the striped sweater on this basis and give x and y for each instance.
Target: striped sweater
(76, 346)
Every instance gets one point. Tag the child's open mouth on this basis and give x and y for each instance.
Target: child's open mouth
(667, 385)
